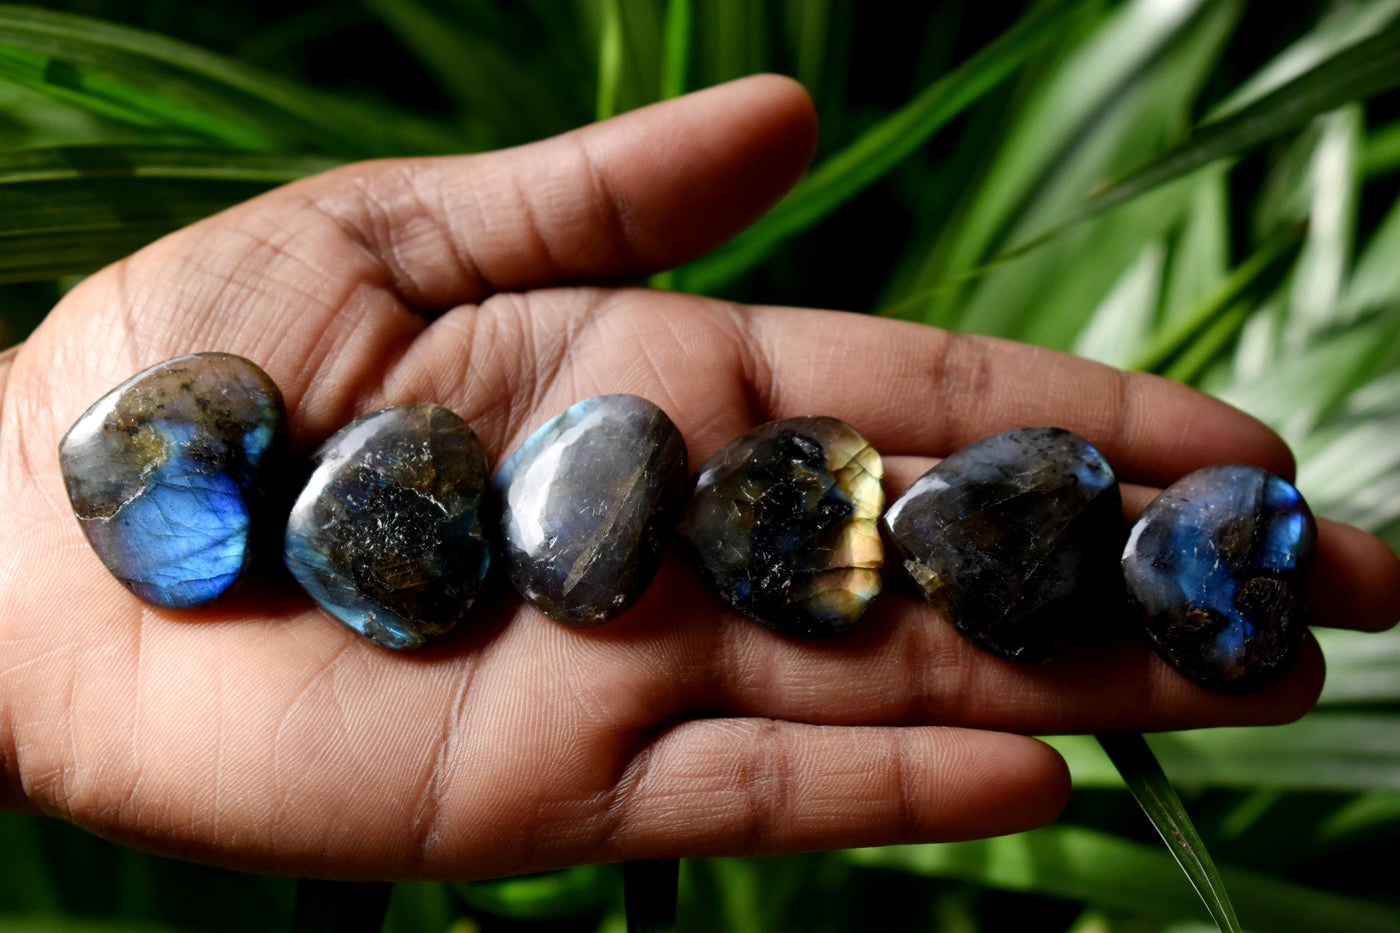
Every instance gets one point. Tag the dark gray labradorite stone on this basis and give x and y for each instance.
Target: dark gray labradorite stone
(387, 535)
(167, 473)
(1015, 539)
(585, 504)
(1215, 568)
(782, 525)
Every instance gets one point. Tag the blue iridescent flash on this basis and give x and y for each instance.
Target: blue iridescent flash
(165, 474)
(1215, 569)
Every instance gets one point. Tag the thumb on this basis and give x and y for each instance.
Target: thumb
(632, 195)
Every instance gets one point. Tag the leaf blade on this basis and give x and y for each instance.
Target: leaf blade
(157, 82)
(1100, 868)
(1160, 802)
(872, 154)
(1353, 73)
(73, 209)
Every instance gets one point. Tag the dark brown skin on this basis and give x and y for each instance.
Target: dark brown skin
(259, 733)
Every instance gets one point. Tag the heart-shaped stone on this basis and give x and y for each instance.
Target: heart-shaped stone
(1015, 539)
(1215, 569)
(387, 535)
(167, 475)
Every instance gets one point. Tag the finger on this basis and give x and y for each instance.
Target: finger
(903, 664)
(1354, 583)
(316, 281)
(639, 193)
(906, 664)
(517, 756)
(915, 389)
(751, 787)
(910, 388)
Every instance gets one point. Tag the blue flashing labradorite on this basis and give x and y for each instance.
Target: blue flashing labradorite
(166, 474)
(782, 524)
(1215, 569)
(585, 502)
(387, 535)
(1016, 539)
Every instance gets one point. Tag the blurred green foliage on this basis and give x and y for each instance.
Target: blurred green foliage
(1201, 188)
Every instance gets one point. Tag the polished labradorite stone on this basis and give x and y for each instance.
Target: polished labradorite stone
(1215, 570)
(1015, 539)
(166, 474)
(782, 525)
(585, 504)
(386, 536)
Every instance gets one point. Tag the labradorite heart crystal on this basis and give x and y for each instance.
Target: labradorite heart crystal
(1215, 568)
(1015, 539)
(166, 474)
(387, 535)
(585, 503)
(782, 525)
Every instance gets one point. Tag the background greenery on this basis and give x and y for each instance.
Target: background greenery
(1202, 188)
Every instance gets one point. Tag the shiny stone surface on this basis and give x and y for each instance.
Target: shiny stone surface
(387, 535)
(1015, 539)
(1215, 570)
(782, 525)
(586, 502)
(166, 474)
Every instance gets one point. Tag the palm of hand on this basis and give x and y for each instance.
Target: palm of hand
(260, 733)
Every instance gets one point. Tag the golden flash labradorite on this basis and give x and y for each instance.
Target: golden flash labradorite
(782, 524)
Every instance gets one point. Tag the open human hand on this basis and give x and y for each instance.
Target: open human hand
(259, 733)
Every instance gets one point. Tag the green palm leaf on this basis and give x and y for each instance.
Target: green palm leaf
(162, 84)
(844, 174)
(73, 209)
(1111, 872)
(1159, 801)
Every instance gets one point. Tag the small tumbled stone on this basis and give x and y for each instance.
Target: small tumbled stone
(782, 524)
(1215, 569)
(1015, 539)
(387, 535)
(585, 504)
(166, 474)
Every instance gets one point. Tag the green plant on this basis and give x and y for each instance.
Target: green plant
(1220, 179)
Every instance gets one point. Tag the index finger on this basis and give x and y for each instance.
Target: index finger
(720, 369)
(936, 391)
